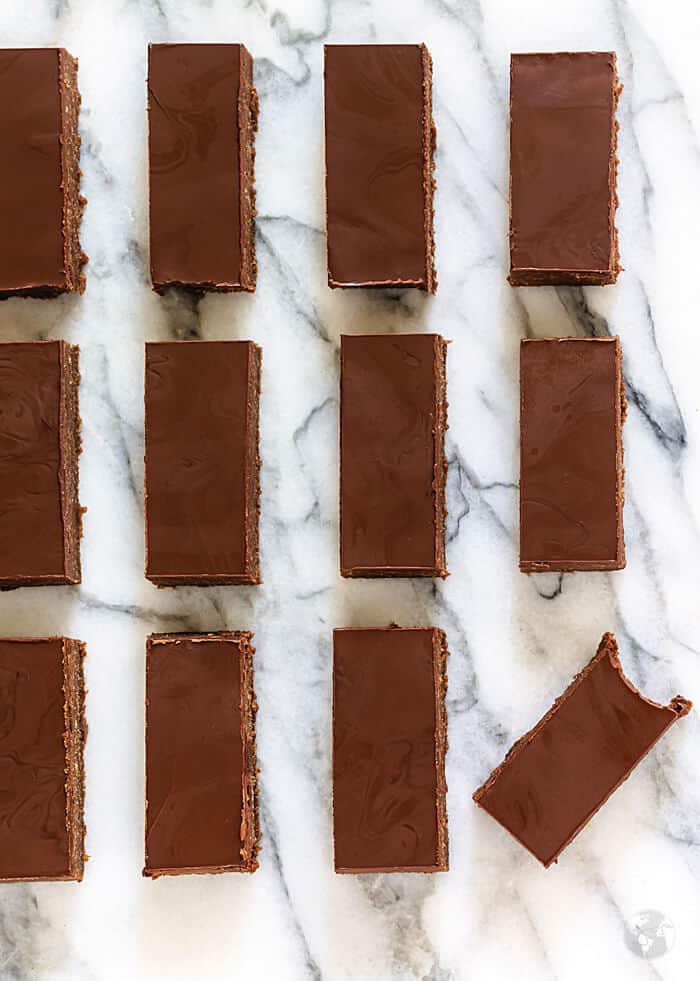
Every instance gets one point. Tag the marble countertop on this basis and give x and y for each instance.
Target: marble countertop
(515, 640)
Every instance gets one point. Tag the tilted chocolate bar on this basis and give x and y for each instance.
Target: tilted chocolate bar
(201, 773)
(558, 775)
(572, 407)
(202, 492)
(40, 517)
(393, 417)
(380, 142)
(389, 742)
(42, 735)
(40, 203)
(563, 168)
(203, 113)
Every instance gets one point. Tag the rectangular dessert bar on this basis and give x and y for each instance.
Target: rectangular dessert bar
(561, 772)
(201, 773)
(563, 169)
(393, 417)
(389, 742)
(202, 464)
(572, 407)
(40, 203)
(380, 143)
(203, 113)
(42, 735)
(40, 517)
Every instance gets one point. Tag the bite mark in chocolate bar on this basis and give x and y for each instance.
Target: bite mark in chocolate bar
(560, 773)
(201, 772)
(572, 407)
(393, 417)
(203, 115)
(389, 743)
(42, 735)
(563, 169)
(41, 206)
(380, 144)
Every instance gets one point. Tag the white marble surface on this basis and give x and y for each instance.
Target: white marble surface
(515, 640)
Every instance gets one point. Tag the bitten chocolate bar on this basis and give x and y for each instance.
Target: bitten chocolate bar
(380, 142)
(203, 114)
(572, 407)
(558, 775)
(40, 203)
(389, 742)
(201, 774)
(40, 517)
(563, 168)
(202, 492)
(42, 735)
(393, 416)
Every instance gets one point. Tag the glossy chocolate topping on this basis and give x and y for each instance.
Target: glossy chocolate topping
(39, 443)
(562, 153)
(389, 737)
(201, 461)
(31, 195)
(571, 413)
(197, 192)
(197, 739)
(560, 773)
(34, 836)
(392, 422)
(379, 164)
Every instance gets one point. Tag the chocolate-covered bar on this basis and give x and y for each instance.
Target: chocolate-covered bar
(40, 517)
(563, 169)
(202, 493)
(201, 774)
(42, 734)
(558, 775)
(393, 416)
(380, 142)
(572, 407)
(389, 742)
(40, 203)
(203, 113)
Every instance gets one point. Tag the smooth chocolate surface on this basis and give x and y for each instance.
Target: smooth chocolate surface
(559, 774)
(40, 203)
(42, 733)
(202, 494)
(380, 142)
(201, 776)
(389, 741)
(40, 517)
(563, 167)
(572, 406)
(392, 470)
(202, 121)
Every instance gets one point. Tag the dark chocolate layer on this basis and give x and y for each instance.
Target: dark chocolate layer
(202, 464)
(563, 165)
(201, 775)
(42, 734)
(203, 113)
(380, 141)
(40, 203)
(572, 406)
(40, 517)
(389, 741)
(392, 468)
(559, 774)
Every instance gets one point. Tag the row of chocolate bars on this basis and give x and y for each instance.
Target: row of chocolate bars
(202, 469)
(380, 145)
